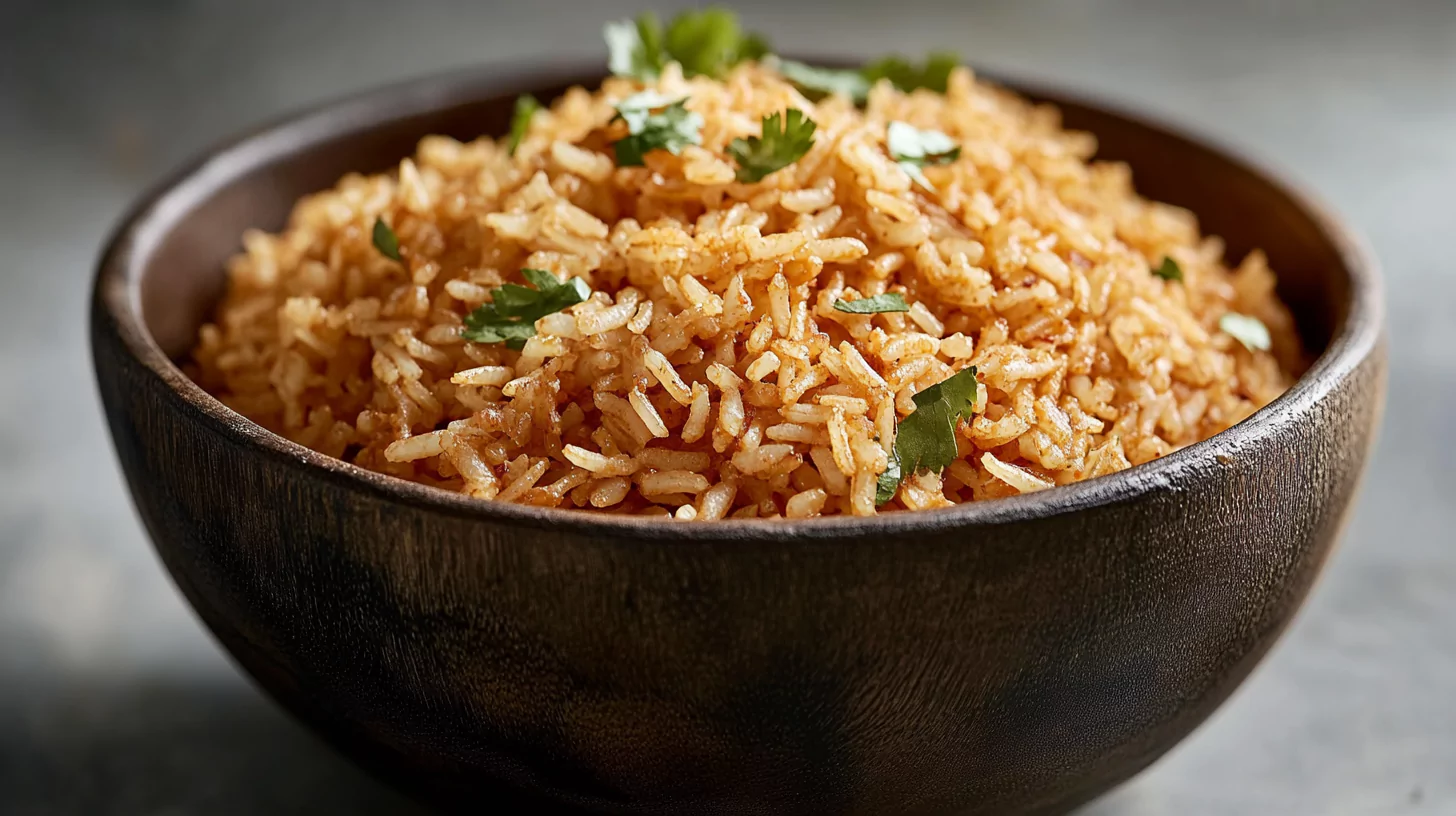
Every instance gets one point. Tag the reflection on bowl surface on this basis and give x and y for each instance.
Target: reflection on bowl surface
(1011, 656)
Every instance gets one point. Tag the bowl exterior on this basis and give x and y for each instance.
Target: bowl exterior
(1015, 658)
(1011, 667)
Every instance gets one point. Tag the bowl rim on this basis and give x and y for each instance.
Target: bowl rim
(116, 297)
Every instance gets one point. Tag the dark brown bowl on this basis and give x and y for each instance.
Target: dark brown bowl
(1012, 656)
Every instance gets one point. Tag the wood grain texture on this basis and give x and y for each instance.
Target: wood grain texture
(1008, 657)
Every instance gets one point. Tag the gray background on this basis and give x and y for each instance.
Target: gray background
(112, 699)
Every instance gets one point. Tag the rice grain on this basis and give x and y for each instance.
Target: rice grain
(1026, 260)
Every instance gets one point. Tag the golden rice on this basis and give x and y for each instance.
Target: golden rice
(709, 376)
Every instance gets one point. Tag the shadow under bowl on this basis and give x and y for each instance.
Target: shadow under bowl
(1014, 656)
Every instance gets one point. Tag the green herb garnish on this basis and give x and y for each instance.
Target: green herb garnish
(634, 49)
(925, 440)
(785, 140)
(511, 315)
(934, 75)
(888, 302)
(385, 240)
(526, 107)
(817, 83)
(889, 481)
(1247, 330)
(709, 42)
(706, 42)
(655, 123)
(1169, 270)
(754, 46)
(915, 149)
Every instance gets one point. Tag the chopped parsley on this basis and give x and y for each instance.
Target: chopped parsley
(1247, 330)
(817, 83)
(526, 107)
(926, 439)
(655, 123)
(934, 75)
(915, 149)
(888, 302)
(511, 315)
(786, 138)
(385, 240)
(704, 42)
(1169, 270)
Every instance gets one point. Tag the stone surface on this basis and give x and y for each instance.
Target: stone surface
(114, 700)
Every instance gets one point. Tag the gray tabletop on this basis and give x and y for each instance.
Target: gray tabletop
(114, 701)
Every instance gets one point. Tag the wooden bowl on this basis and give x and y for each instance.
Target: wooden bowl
(1016, 656)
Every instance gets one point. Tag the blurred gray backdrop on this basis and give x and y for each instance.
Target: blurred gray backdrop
(113, 700)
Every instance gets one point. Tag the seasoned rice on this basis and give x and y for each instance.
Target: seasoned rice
(708, 375)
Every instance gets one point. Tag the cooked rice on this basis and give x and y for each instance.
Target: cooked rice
(708, 375)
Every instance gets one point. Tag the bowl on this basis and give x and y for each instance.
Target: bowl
(1012, 656)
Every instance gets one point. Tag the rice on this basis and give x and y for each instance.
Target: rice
(708, 375)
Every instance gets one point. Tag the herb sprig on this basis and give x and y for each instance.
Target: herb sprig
(511, 315)
(879, 304)
(785, 139)
(655, 123)
(710, 41)
(926, 439)
(634, 48)
(706, 42)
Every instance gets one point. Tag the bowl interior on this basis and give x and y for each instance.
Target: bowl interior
(254, 183)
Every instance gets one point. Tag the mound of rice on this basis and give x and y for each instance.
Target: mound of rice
(708, 375)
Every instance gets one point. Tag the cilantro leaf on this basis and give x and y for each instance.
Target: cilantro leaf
(1247, 330)
(704, 42)
(922, 148)
(634, 49)
(786, 138)
(926, 439)
(635, 109)
(753, 46)
(1169, 270)
(817, 83)
(385, 240)
(510, 317)
(526, 107)
(934, 75)
(710, 41)
(914, 149)
(655, 123)
(888, 302)
(889, 481)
